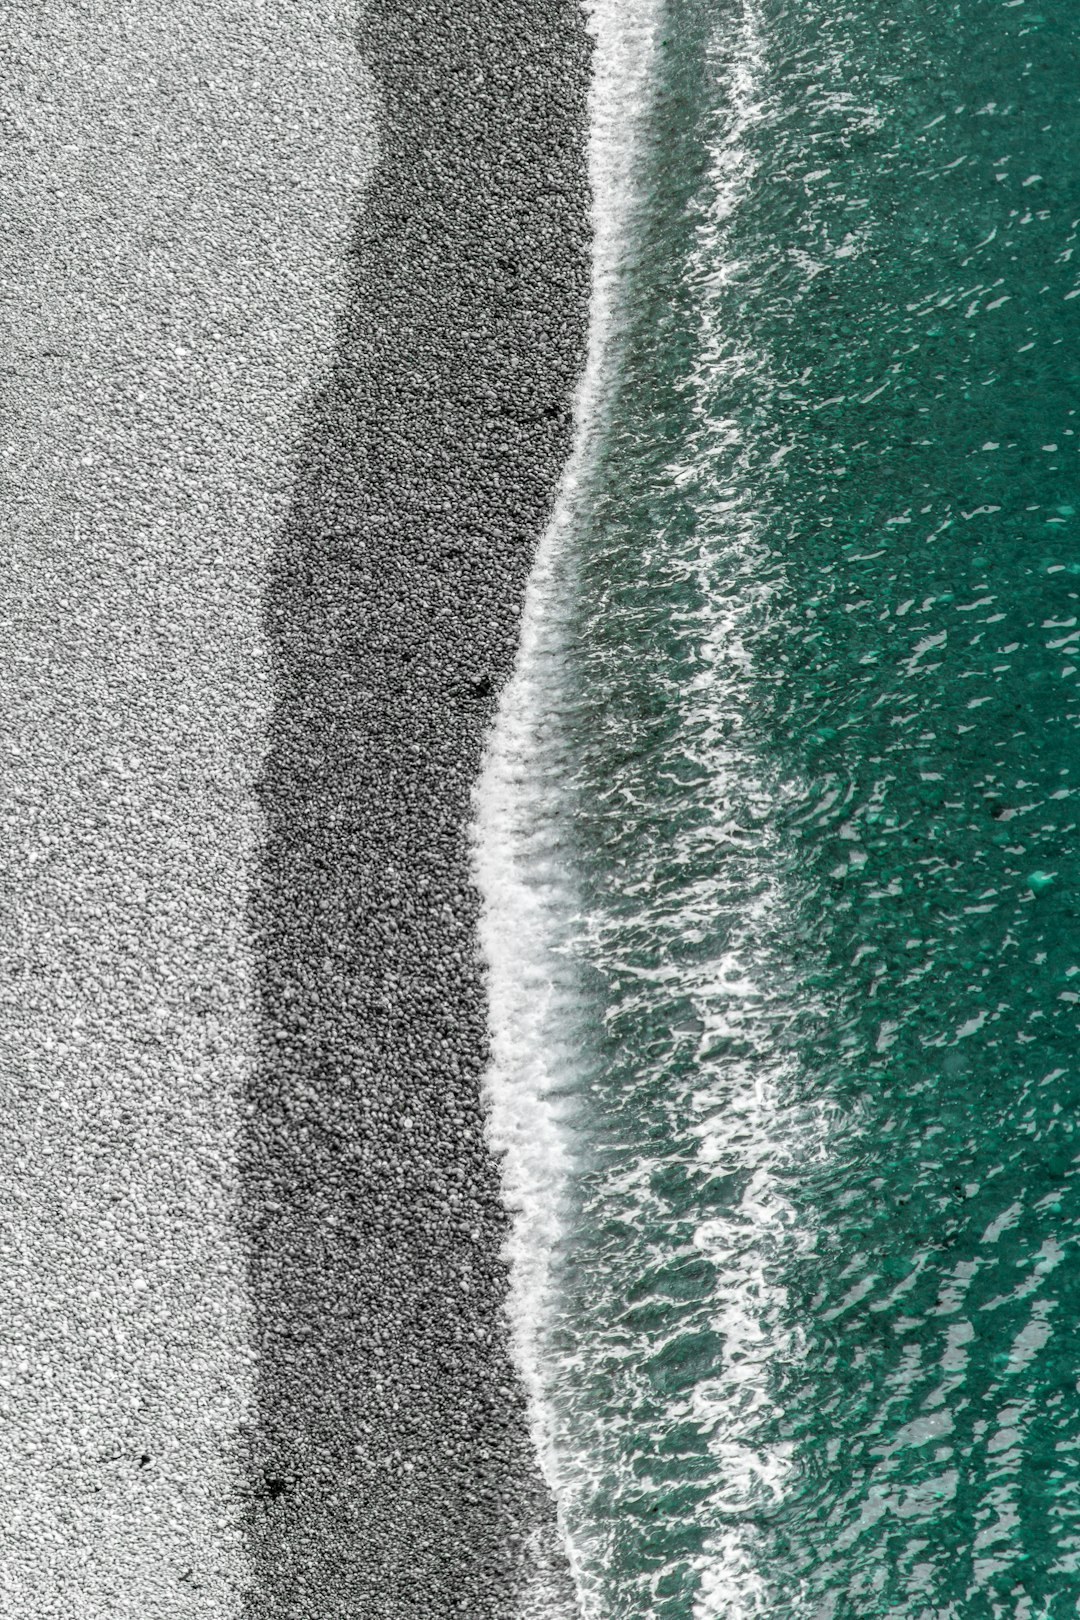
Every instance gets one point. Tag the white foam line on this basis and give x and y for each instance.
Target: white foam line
(517, 862)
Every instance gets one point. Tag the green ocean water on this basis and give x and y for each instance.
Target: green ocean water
(816, 1343)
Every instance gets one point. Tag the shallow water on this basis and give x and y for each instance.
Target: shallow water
(802, 818)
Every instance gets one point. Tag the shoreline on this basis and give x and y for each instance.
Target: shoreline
(390, 1467)
(521, 861)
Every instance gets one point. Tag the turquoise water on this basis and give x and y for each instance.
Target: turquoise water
(815, 1347)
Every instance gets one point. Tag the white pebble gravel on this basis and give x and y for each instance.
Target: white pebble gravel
(179, 181)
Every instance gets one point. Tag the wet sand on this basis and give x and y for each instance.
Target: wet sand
(390, 1460)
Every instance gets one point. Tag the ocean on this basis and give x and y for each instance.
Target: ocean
(777, 833)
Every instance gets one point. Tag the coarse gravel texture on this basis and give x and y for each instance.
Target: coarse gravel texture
(391, 1470)
(180, 183)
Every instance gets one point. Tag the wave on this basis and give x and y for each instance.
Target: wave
(517, 859)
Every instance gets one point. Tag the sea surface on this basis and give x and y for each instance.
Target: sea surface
(779, 829)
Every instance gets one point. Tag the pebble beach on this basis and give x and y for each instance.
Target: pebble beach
(294, 305)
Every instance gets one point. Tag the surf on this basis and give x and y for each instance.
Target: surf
(517, 835)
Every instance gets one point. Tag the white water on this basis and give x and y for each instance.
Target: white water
(517, 862)
(744, 1126)
(533, 923)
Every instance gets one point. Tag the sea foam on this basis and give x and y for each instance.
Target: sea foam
(518, 863)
